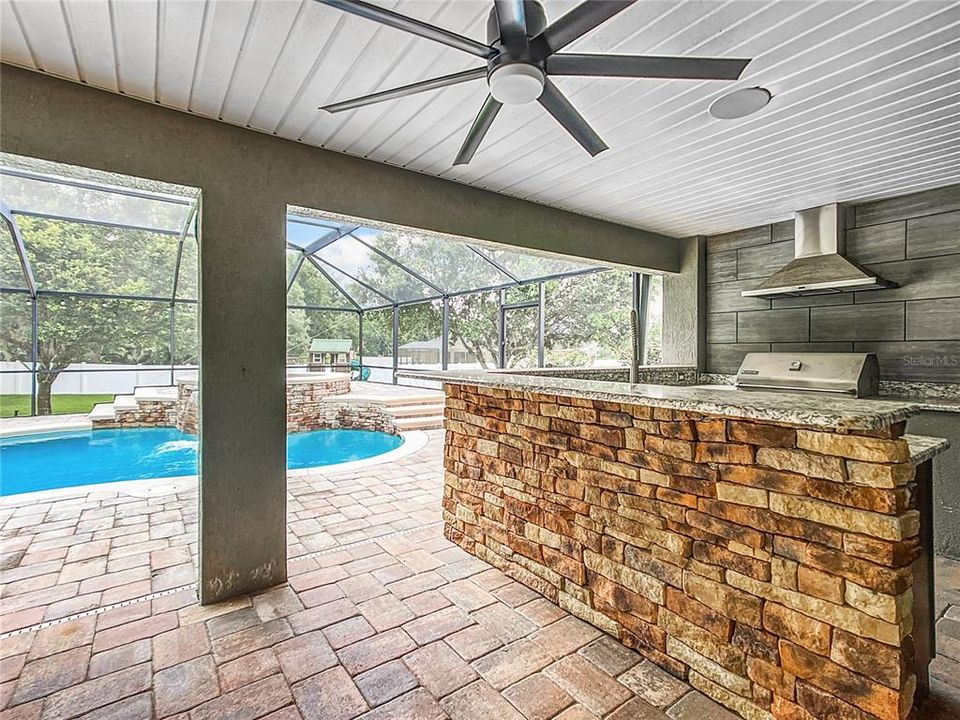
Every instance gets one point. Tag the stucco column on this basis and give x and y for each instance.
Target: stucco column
(242, 393)
(684, 307)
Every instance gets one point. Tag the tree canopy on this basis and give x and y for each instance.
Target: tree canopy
(311, 287)
(72, 257)
(586, 317)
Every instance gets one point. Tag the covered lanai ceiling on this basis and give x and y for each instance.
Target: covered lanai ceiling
(866, 96)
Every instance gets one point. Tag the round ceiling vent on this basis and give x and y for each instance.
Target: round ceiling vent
(740, 103)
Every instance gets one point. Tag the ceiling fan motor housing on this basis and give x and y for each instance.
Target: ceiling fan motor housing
(534, 15)
(516, 78)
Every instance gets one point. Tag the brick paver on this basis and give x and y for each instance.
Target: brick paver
(538, 698)
(439, 669)
(385, 682)
(400, 627)
(185, 686)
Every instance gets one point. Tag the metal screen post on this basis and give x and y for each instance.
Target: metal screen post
(502, 360)
(641, 303)
(396, 340)
(360, 341)
(34, 350)
(445, 337)
(191, 218)
(27, 271)
(542, 302)
(644, 310)
(636, 356)
(173, 338)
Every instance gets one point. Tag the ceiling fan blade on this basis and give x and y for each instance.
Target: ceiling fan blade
(513, 25)
(646, 66)
(410, 25)
(579, 21)
(411, 89)
(478, 130)
(566, 114)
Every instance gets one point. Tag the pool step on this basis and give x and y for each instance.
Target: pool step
(426, 422)
(102, 411)
(432, 398)
(423, 411)
(409, 411)
(140, 407)
(125, 403)
(150, 393)
(416, 411)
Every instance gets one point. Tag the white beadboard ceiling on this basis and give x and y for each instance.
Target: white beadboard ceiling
(866, 96)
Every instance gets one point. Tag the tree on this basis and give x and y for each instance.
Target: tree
(311, 287)
(655, 322)
(475, 323)
(84, 258)
(587, 317)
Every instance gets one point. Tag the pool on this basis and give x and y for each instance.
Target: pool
(86, 457)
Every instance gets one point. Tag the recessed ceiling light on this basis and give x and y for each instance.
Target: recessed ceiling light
(740, 103)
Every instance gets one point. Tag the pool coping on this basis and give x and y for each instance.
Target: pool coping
(63, 423)
(413, 442)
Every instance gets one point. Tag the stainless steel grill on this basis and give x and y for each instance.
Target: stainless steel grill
(853, 374)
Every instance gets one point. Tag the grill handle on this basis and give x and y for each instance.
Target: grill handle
(745, 386)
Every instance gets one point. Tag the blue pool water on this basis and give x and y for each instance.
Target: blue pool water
(85, 457)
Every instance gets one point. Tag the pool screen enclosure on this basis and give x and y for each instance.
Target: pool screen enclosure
(412, 300)
(98, 274)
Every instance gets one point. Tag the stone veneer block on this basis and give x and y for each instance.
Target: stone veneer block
(762, 562)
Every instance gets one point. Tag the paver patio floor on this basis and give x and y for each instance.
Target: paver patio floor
(381, 618)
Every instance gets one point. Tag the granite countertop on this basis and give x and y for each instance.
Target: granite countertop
(941, 397)
(923, 448)
(838, 413)
(938, 404)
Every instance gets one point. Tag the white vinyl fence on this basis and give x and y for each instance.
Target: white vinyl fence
(87, 378)
(105, 379)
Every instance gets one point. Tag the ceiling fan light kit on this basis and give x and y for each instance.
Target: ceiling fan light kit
(516, 84)
(522, 52)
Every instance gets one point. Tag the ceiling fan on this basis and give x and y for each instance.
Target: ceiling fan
(521, 54)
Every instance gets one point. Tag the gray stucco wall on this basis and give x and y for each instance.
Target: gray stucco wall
(946, 479)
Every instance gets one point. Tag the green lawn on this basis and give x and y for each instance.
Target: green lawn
(62, 404)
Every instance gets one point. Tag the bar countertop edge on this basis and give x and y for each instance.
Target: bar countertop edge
(837, 414)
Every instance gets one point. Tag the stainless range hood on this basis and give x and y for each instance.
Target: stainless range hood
(818, 267)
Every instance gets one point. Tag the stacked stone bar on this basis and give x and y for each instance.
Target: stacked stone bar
(768, 565)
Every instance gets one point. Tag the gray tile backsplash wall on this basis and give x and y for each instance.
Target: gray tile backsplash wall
(914, 329)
